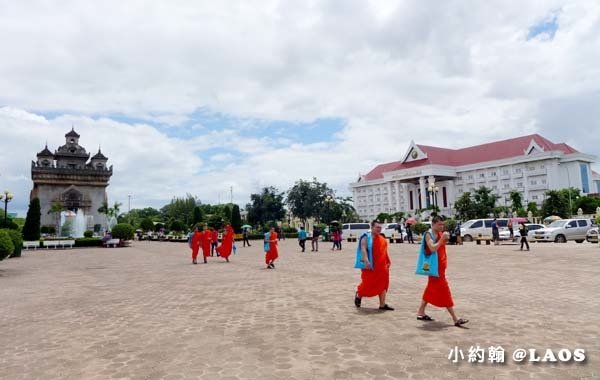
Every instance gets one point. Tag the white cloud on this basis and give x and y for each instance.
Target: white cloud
(442, 73)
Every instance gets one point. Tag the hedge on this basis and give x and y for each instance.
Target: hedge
(88, 242)
(17, 240)
(123, 231)
(6, 245)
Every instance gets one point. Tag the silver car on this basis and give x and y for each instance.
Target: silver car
(561, 231)
(592, 235)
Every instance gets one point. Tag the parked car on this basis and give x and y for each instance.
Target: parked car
(531, 228)
(561, 231)
(390, 229)
(592, 235)
(354, 230)
(475, 227)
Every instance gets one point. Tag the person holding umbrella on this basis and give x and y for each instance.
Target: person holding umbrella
(245, 235)
(409, 234)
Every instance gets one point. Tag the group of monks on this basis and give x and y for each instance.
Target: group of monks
(375, 277)
(206, 239)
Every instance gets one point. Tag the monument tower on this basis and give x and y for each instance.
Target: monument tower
(67, 177)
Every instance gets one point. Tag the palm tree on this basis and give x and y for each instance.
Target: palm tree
(56, 209)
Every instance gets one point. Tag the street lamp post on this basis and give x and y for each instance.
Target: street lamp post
(433, 190)
(328, 201)
(7, 197)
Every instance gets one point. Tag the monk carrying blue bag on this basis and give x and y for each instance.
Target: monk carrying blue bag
(359, 263)
(427, 263)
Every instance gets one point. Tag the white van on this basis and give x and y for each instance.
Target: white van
(390, 229)
(354, 230)
(475, 227)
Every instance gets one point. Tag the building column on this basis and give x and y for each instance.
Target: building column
(397, 188)
(423, 192)
(406, 196)
(389, 197)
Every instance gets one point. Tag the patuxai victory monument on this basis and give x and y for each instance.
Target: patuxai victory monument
(71, 186)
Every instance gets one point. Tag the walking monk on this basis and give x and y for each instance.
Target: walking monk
(437, 292)
(195, 244)
(375, 277)
(272, 254)
(206, 242)
(224, 250)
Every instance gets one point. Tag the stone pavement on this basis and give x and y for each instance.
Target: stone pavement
(145, 312)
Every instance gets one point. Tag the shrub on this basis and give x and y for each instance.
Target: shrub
(6, 245)
(88, 242)
(88, 234)
(31, 229)
(123, 231)
(177, 226)
(10, 224)
(50, 230)
(17, 240)
(449, 224)
(420, 228)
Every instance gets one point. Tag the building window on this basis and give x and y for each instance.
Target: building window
(518, 170)
(481, 175)
(543, 181)
(533, 182)
(585, 182)
(519, 184)
(534, 197)
(470, 176)
(445, 196)
(505, 172)
(493, 174)
(542, 166)
(507, 185)
(531, 168)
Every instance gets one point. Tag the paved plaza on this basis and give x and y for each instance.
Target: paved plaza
(145, 312)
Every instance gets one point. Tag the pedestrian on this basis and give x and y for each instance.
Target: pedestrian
(245, 237)
(214, 241)
(205, 242)
(523, 232)
(510, 229)
(272, 253)
(334, 239)
(400, 232)
(409, 234)
(437, 291)
(195, 244)
(226, 246)
(302, 238)
(495, 232)
(315, 239)
(375, 273)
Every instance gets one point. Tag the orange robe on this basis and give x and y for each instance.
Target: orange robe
(196, 237)
(272, 253)
(226, 244)
(206, 241)
(374, 282)
(437, 291)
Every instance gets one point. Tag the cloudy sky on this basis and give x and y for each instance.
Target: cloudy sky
(200, 96)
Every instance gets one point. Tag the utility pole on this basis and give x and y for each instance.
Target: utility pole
(129, 208)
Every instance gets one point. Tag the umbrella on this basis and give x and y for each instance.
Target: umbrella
(247, 226)
(334, 222)
(521, 219)
(411, 221)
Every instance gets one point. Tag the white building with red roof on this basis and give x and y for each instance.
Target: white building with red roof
(428, 175)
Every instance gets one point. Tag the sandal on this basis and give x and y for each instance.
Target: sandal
(386, 307)
(460, 322)
(425, 317)
(357, 300)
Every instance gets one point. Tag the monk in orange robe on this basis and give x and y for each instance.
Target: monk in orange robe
(375, 278)
(195, 244)
(206, 242)
(437, 291)
(272, 254)
(226, 246)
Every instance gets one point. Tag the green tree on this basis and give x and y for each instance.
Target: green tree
(146, 224)
(197, 215)
(265, 206)
(465, 207)
(516, 199)
(532, 206)
(587, 204)
(556, 203)
(180, 208)
(31, 229)
(177, 226)
(485, 201)
(236, 219)
(384, 217)
(307, 199)
(123, 231)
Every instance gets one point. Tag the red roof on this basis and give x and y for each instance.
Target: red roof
(497, 150)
